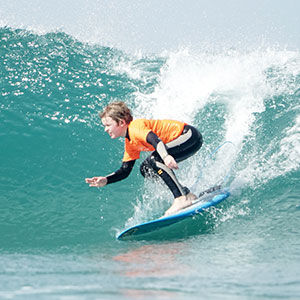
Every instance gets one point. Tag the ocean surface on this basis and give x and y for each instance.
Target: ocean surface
(58, 236)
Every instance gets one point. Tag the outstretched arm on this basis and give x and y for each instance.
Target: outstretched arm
(120, 174)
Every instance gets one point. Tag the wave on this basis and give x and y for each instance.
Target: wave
(52, 87)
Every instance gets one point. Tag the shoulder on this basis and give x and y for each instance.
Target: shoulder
(139, 128)
(139, 123)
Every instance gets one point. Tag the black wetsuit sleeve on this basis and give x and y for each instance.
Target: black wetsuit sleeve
(122, 173)
(158, 144)
(153, 139)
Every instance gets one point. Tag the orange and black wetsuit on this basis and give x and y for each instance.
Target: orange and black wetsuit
(162, 137)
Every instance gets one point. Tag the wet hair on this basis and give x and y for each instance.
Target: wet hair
(117, 111)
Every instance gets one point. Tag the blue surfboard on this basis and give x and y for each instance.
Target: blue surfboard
(213, 197)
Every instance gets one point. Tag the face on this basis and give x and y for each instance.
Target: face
(114, 129)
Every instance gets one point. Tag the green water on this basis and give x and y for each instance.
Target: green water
(58, 236)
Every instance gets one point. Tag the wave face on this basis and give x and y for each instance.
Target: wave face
(53, 86)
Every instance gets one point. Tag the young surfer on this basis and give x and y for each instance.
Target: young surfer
(169, 141)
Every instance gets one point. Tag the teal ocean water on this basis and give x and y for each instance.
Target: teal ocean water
(58, 236)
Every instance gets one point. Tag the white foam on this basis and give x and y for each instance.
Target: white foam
(240, 81)
(246, 84)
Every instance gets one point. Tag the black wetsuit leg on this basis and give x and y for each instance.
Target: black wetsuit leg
(187, 144)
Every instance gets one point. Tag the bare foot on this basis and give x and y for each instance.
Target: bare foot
(180, 203)
(191, 196)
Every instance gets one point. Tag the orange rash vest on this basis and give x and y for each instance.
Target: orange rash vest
(166, 130)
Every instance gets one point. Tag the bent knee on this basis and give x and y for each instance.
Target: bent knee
(146, 168)
(149, 167)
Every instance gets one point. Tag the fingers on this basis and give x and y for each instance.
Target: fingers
(96, 181)
(170, 162)
(94, 185)
(89, 180)
(172, 165)
(175, 166)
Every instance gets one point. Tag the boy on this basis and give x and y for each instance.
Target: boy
(169, 142)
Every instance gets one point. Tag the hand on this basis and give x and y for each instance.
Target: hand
(96, 181)
(170, 162)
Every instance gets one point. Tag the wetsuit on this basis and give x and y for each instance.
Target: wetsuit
(162, 137)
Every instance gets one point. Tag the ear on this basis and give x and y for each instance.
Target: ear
(122, 123)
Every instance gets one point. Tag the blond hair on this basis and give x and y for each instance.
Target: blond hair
(117, 111)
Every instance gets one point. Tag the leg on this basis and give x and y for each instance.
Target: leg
(184, 146)
(153, 166)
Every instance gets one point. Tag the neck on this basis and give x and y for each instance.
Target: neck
(125, 130)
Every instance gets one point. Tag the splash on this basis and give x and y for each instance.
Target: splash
(244, 95)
